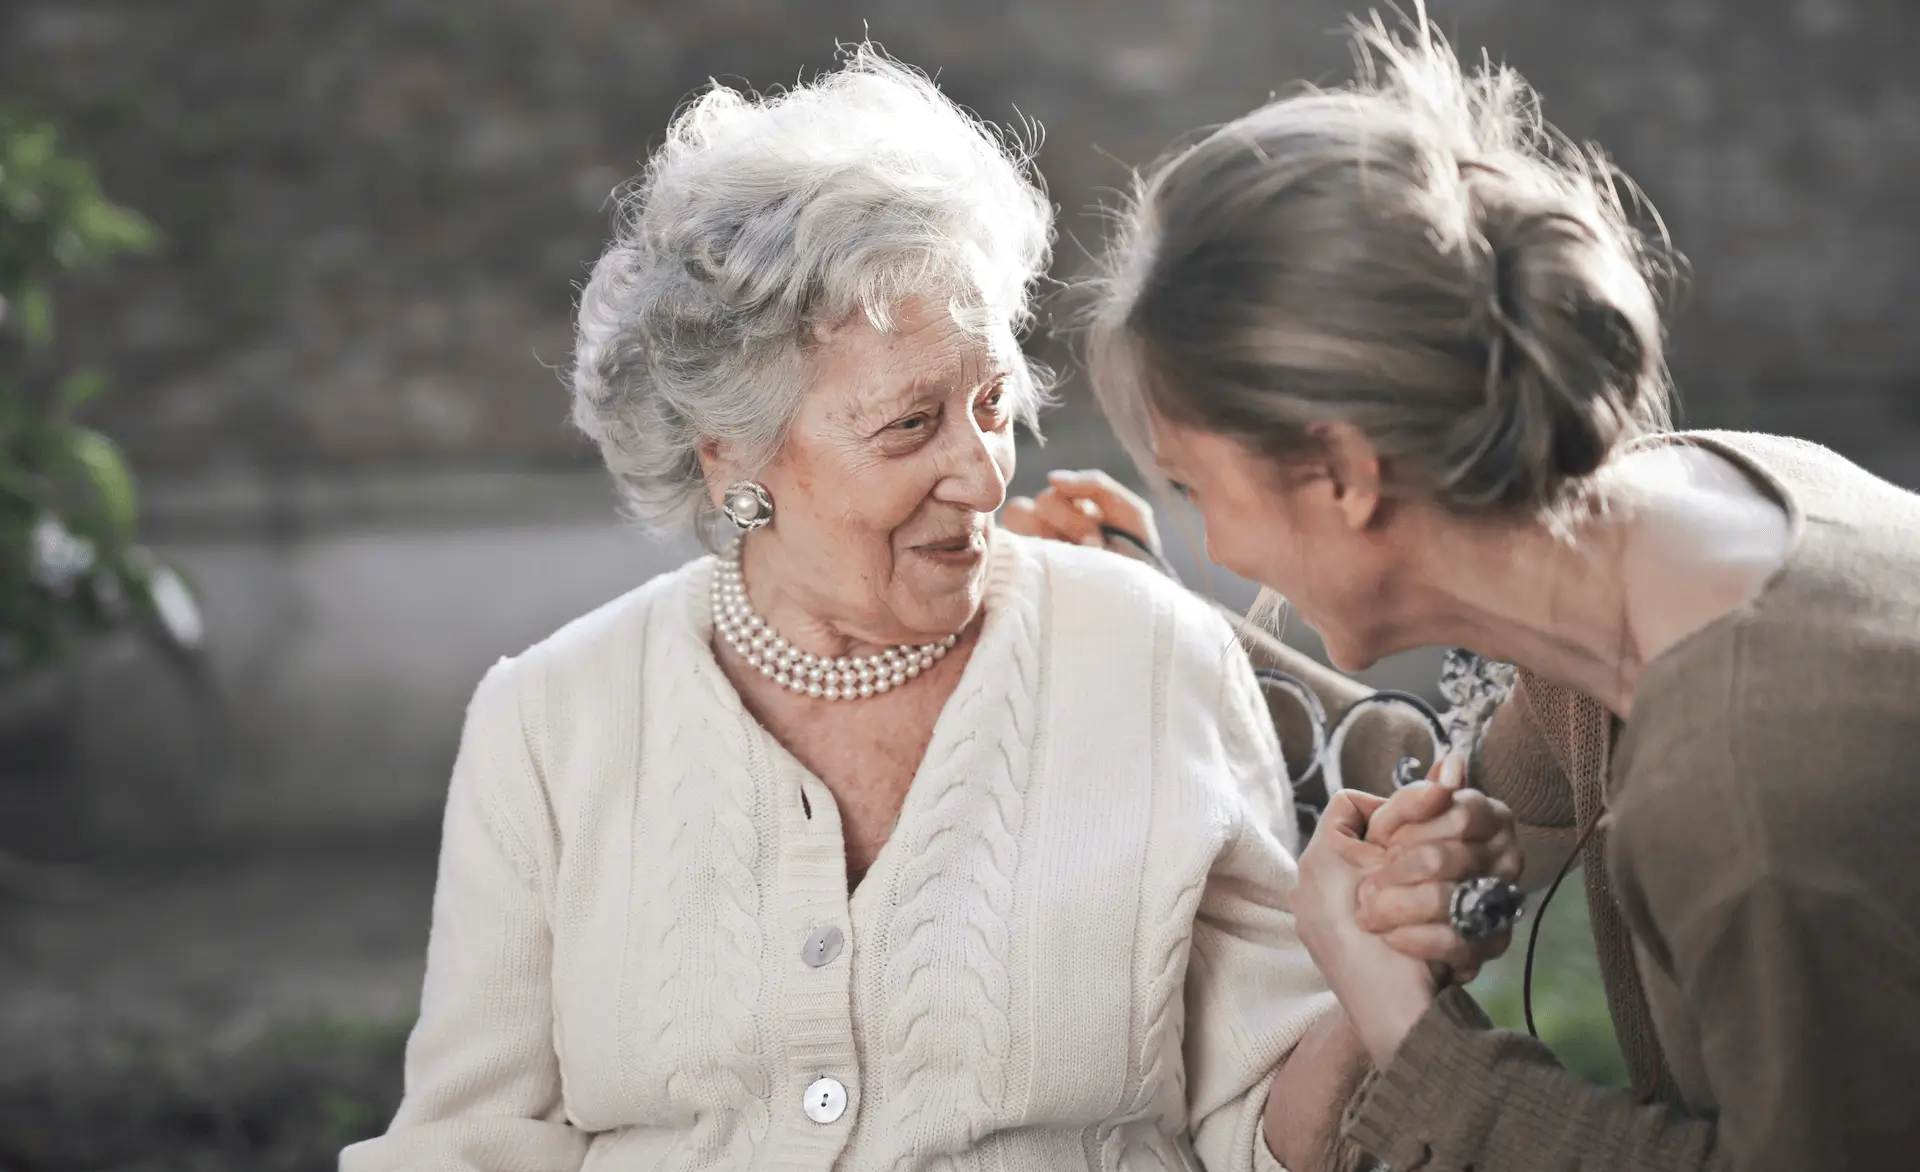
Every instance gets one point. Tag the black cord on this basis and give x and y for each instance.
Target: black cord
(1540, 917)
(1152, 555)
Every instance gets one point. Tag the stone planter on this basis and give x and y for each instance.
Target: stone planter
(43, 812)
(107, 754)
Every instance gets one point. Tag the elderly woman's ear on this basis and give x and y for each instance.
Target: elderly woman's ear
(714, 468)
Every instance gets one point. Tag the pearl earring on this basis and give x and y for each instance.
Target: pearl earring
(747, 505)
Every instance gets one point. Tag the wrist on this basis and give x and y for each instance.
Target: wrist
(1311, 1092)
(1390, 1014)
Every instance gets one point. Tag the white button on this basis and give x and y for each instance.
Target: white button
(826, 1100)
(823, 944)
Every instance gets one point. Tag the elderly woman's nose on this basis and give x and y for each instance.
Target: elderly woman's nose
(975, 475)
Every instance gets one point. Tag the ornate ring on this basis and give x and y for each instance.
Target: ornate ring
(1485, 907)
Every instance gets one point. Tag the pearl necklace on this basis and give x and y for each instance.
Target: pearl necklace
(819, 676)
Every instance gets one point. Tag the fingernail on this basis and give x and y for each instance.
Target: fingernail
(1094, 540)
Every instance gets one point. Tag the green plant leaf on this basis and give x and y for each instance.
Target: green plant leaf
(106, 228)
(112, 482)
(54, 218)
(82, 387)
(32, 147)
(34, 306)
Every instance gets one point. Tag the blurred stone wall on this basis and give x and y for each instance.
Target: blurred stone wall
(338, 379)
(377, 209)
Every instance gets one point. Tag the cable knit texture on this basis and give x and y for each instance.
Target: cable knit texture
(948, 1030)
(1074, 952)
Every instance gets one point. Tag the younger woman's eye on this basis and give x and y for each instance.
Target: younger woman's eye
(1185, 493)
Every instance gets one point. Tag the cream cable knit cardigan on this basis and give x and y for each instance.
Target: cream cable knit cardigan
(1074, 952)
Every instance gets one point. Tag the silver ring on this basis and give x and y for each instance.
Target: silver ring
(1485, 907)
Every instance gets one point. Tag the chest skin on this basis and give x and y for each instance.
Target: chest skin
(865, 751)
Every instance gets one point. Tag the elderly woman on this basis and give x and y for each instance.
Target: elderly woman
(881, 839)
(1402, 351)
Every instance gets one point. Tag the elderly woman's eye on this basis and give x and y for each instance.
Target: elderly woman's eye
(912, 423)
(994, 402)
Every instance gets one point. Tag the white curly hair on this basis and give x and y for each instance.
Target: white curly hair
(765, 219)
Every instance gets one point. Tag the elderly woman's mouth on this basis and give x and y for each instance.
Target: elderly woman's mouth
(961, 549)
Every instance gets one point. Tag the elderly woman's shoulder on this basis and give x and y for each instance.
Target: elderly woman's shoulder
(1126, 590)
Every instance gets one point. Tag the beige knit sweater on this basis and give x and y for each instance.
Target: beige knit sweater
(1074, 952)
(1753, 882)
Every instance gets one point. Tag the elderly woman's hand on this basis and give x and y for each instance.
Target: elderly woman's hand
(1436, 834)
(1375, 885)
(1383, 991)
(1074, 506)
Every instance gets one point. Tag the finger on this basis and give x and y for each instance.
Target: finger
(1415, 804)
(1472, 817)
(1439, 862)
(1067, 516)
(1356, 856)
(1440, 944)
(1123, 508)
(1347, 814)
(1381, 907)
(1018, 516)
(1450, 771)
(1336, 857)
(1510, 859)
(1499, 856)
(1449, 975)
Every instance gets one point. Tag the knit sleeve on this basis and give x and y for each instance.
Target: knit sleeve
(1252, 993)
(1461, 1094)
(1515, 761)
(1254, 753)
(483, 1087)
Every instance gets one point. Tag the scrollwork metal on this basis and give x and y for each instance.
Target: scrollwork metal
(1473, 687)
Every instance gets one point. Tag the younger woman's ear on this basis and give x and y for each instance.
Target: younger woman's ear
(1353, 465)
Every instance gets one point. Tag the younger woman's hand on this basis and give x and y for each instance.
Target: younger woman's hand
(1434, 835)
(1074, 506)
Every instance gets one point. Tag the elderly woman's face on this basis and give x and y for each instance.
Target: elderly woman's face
(885, 490)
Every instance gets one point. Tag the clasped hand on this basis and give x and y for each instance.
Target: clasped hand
(1376, 888)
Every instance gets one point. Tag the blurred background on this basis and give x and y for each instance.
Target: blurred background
(288, 286)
